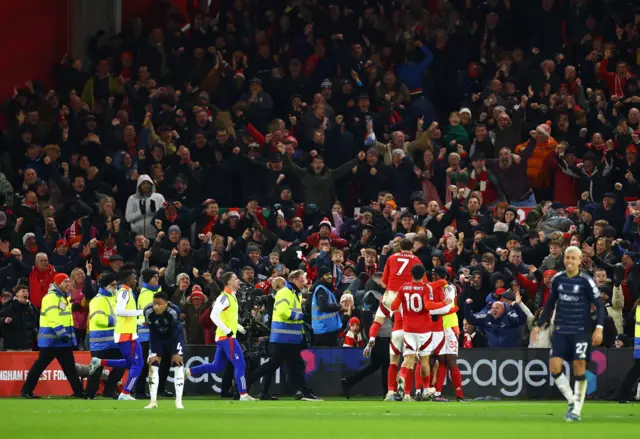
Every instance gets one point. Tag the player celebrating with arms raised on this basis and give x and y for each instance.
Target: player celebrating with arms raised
(575, 292)
(415, 300)
(166, 336)
(397, 272)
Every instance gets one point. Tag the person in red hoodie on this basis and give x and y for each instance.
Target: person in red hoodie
(565, 182)
(538, 289)
(616, 81)
(324, 232)
(40, 278)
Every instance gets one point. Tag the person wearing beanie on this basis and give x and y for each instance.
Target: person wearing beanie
(150, 285)
(167, 342)
(325, 310)
(102, 324)
(353, 338)
(195, 305)
(538, 174)
(56, 338)
(324, 232)
(125, 335)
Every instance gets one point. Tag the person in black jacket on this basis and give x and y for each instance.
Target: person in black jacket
(19, 322)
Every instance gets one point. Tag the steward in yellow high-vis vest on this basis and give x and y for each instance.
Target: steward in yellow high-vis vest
(286, 336)
(125, 335)
(102, 324)
(150, 286)
(56, 337)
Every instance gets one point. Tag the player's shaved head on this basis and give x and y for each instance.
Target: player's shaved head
(417, 272)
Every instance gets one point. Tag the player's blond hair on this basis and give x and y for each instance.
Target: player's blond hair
(573, 249)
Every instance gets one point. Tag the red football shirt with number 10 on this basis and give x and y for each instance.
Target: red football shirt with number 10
(415, 300)
(397, 270)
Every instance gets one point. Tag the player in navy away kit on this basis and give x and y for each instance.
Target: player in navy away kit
(575, 292)
(166, 339)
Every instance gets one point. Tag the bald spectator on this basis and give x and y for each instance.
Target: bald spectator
(501, 327)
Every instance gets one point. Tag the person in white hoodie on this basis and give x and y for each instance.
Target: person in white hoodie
(142, 206)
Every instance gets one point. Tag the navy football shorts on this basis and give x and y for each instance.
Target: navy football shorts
(571, 347)
(160, 347)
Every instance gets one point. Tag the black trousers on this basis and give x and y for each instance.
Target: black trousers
(327, 340)
(379, 360)
(45, 357)
(632, 376)
(163, 372)
(289, 354)
(93, 382)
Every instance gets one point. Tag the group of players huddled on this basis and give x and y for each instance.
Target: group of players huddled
(425, 328)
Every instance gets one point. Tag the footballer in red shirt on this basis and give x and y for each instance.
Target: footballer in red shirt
(397, 272)
(417, 301)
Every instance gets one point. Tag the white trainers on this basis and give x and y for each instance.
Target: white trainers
(390, 396)
(179, 405)
(152, 405)
(187, 372)
(94, 365)
(125, 397)
(247, 397)
(407, 398)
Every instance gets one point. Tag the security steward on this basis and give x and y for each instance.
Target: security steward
(325, 311)
(286, 341)
(150, 286)
(102, 322)
(634, 374)
(56, 337)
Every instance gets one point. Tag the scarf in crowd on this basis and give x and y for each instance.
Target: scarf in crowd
(106, 253)
(210, 224)
(74, 233)
(481, 179)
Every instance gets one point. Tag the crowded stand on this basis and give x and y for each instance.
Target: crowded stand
(479, 139)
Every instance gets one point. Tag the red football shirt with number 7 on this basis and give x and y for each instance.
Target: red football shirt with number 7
(397, 270)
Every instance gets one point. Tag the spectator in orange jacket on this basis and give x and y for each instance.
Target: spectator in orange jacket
(537, 173)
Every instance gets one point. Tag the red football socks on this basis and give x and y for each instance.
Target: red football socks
(408, 380)
(392, 377)
(426, 382)
(419, 380)
(440, 376)
(456, 381)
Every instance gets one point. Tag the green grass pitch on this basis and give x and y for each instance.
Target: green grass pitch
(335, 419)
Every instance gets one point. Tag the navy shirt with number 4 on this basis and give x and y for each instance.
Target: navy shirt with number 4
(574, 296)
(166, 328)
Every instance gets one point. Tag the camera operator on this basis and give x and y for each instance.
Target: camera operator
(286, 342)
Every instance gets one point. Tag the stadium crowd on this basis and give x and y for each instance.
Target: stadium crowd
(273, 136)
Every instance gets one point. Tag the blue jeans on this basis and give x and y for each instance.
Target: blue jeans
(527, 202)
